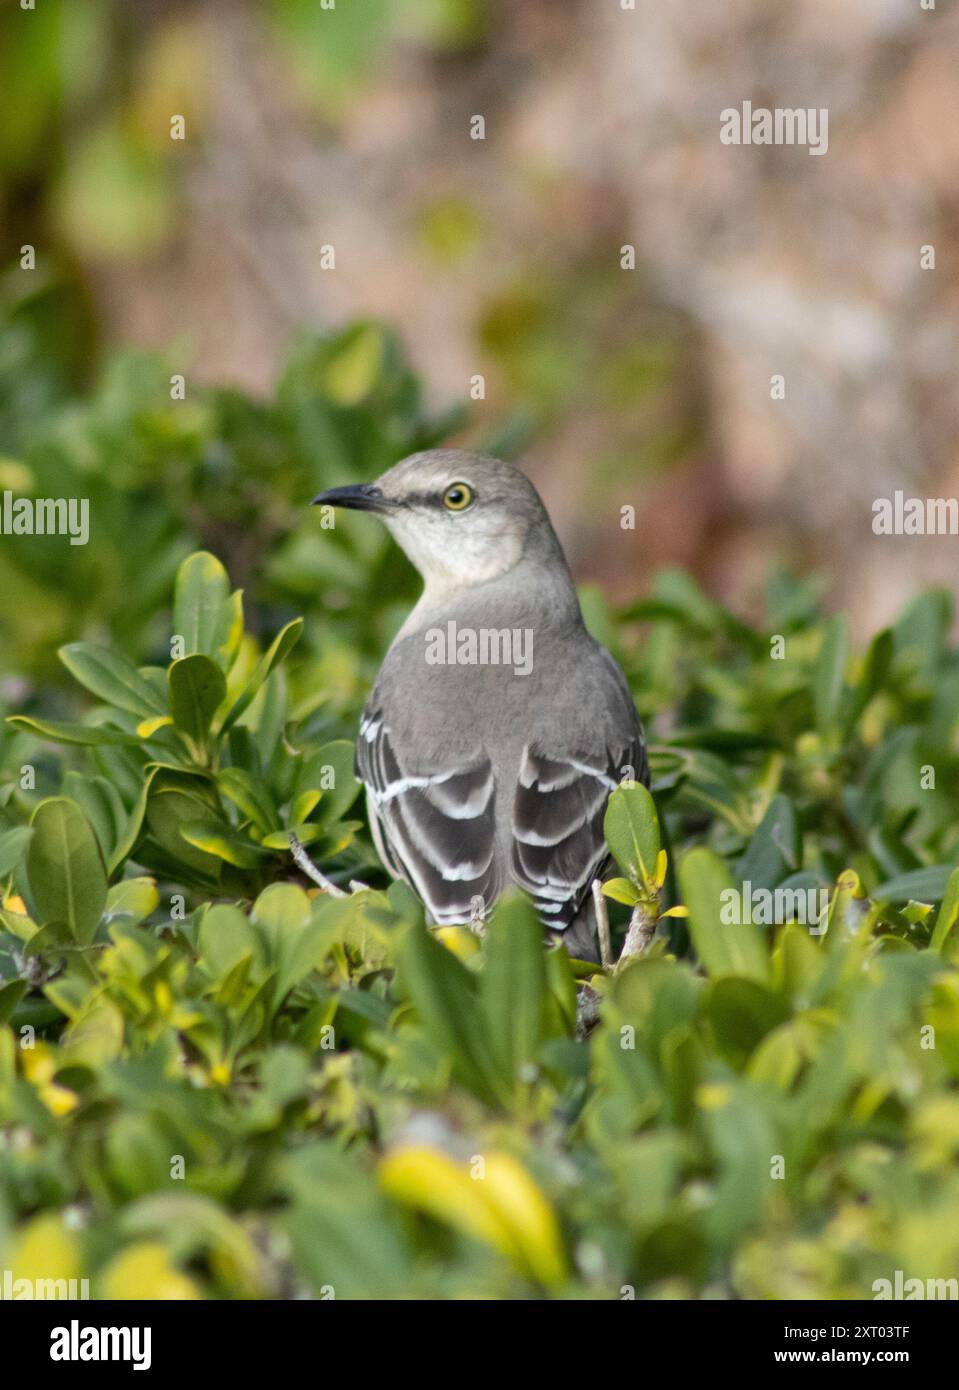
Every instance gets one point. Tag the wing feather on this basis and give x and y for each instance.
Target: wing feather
(434, 826)
(558, 846)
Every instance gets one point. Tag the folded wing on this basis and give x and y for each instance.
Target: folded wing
(434, 826)
(558, 846)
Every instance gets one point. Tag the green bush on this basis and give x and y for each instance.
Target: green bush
(217, 1080)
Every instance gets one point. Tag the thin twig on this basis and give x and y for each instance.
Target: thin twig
(602, 925)
(641, 931)
(304, 861)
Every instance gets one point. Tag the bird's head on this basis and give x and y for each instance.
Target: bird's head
(461, 518)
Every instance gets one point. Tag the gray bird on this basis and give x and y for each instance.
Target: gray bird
(497, 726)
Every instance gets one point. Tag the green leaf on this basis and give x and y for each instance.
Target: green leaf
(922, 631)
(126, 843)
(621, 891)
(100, 802)
(512, 991)
(226, 936)
(561, 1002)
(877, 664)
(148, 727)
(67, 876)
(774, 851)
(223, 842)
(678, 598)
(293, 938)
(50, 940)
(284, 1073)
(345, 1234)
(948, 914)
(204, 613)
(197, 689)
(631, 827)
(304, 805)
(172, 804)
(330, 771)
(307, 834)
(925, 885)
(95, 1036)
(18, 924)
(722, 740)
(83, 735)
(197, 1228)
(111, 678)
(279, 911)
(829, 671)
(249, 795)
(712, 782)
(13, 844)
(282, 645)
(444, 995)
(724, 949)
(742, 1012)
(133, 898)
(10, 996)
(352, 372)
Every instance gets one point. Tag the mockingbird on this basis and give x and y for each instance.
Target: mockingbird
(497, 726)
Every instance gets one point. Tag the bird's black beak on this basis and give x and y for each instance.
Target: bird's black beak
(359, 497)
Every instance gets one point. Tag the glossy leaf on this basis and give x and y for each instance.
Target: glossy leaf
(279, 648)
(631, 827)
(724, 949)
(112, 678)
(197, 689)
(65, 867)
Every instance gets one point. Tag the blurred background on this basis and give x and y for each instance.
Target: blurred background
(348, 127)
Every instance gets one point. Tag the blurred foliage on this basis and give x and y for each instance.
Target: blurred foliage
(214, 468)
(216, 1080)
(92, 181)
(91, 89)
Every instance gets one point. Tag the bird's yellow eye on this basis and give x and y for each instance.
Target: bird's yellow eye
(457, 497)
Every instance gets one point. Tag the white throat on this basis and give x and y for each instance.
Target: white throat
(454, 572)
